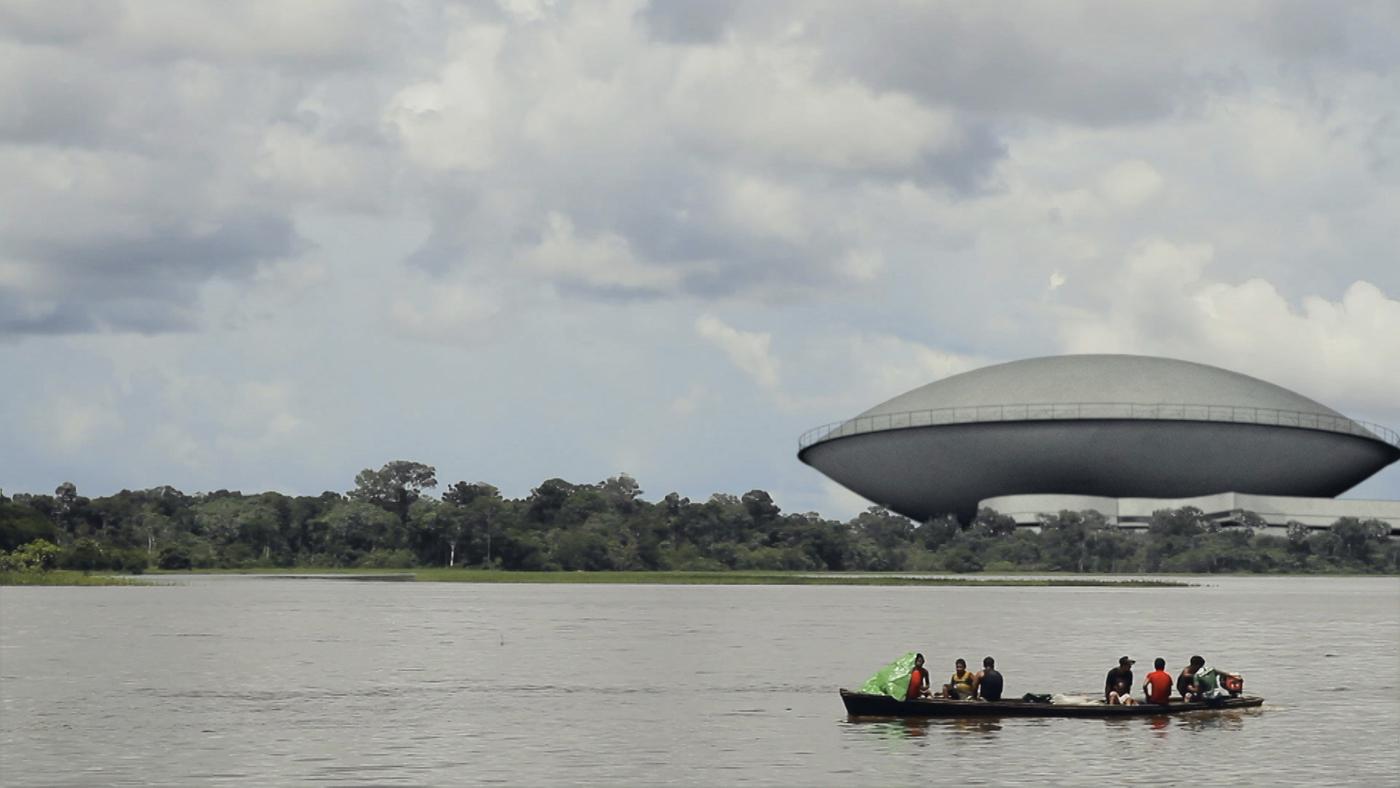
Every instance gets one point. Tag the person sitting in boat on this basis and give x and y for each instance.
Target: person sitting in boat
(1118, 685)
(987, 685)
(918, 680)
(1186, 683)
(1217, 683)
(1158, 687)
(962, 684)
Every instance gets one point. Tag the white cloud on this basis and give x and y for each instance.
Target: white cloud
(451, 313)
(878, 366)
(1342, 352)
(771, 101)
(448, 123)
(1130, 183)
(764, 208)
(748, 350)
(605, 261)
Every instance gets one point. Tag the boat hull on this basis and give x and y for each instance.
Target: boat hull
(859, 704)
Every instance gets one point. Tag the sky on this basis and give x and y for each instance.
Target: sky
(265, 245)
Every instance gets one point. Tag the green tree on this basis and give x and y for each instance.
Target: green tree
(20, 524)
(891, 534)
(621, 493)
(354, 528)
(174, 557)
(939, 531)
(1358, 539)
(477, 510)
(395, 486)
(39, 555)
(1173, 532)
(992, 523)
(1068, 539)
(546, 500)
(584, 549)
(86, 554)
(961, 556)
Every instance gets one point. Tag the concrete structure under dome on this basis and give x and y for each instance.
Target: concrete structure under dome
(1108, 426)
(1276, 511)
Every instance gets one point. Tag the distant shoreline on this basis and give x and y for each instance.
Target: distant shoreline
(736, 577)
(162, 577)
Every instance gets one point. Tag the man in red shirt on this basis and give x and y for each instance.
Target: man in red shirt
(1158, 686)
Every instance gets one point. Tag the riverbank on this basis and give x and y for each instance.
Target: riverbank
(458, 575)
(66, 577)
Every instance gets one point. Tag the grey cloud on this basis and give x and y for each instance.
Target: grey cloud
(51, 98)
(46, 22)
(167, 250)
(965, 166)
(316, 35)
(1085, 62)
(1004, 64)
(688, 21)
(1362, 34)
(134, 144)
(145, 285)
(127, 315)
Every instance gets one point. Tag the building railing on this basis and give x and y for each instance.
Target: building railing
(1096, 410)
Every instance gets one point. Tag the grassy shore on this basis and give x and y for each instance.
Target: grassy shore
(64, 577)
(761, 578)
(457, 575)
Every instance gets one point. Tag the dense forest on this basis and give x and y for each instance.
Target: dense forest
(389, 519)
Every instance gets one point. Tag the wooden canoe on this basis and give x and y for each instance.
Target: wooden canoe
(859, 704)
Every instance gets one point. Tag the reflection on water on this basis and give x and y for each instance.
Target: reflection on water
(920, 727)
(1224, 720)
(974, 726)
(1232, 720)
(272, 682)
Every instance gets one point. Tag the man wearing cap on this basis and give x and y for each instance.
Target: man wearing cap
(1118, 687)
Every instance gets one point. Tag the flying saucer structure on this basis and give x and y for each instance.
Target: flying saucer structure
(1112, 426)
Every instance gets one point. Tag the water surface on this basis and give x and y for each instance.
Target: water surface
(257, 681)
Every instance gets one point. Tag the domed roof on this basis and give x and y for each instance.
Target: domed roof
(1139, 380)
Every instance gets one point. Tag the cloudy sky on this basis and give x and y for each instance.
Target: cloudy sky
(263, 245)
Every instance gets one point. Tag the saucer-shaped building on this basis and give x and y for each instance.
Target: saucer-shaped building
(1097, 425)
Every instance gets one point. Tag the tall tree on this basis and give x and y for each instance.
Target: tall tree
(394, 487)
(475, 510)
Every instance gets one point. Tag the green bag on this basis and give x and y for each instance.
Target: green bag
(892, 679)
(1207, 678)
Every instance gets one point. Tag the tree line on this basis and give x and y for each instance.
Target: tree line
(389, 519)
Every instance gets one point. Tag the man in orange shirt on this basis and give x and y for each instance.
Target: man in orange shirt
(1158, 686)
(918, 680)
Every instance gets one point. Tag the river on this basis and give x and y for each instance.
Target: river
(264, 681)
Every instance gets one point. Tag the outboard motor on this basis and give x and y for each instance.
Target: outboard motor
(1233, 684)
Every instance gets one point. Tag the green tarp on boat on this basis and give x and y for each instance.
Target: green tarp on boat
(892, 679)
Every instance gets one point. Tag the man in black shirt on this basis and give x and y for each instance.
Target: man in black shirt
(988, 682)
(1118, 686)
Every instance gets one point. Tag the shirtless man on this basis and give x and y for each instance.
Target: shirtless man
(1186, 682)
